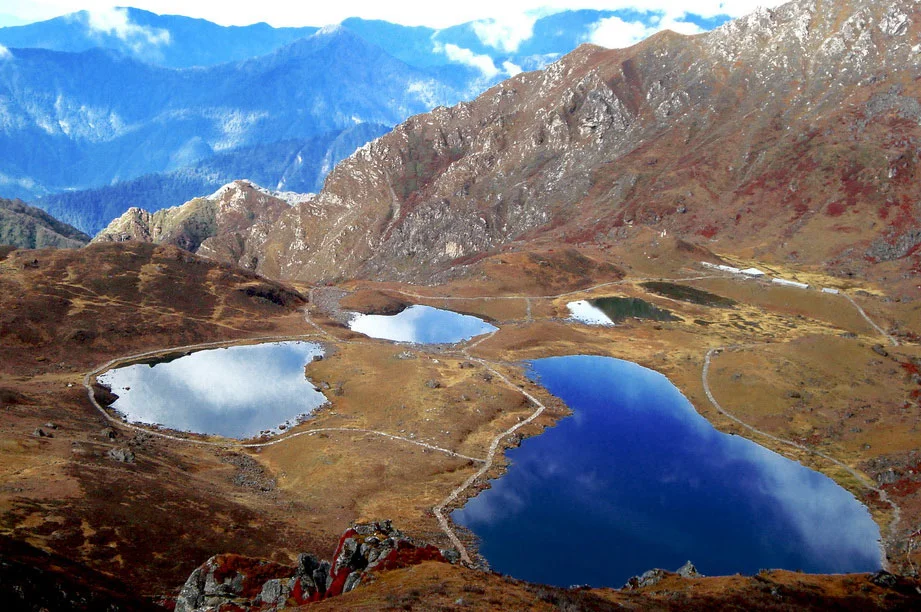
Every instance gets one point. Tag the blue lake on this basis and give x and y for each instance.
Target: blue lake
(237, 392)
(421, 325)
(637, 479)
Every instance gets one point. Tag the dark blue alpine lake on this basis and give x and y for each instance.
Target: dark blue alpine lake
(637, 479)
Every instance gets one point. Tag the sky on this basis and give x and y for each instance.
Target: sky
(513, 14)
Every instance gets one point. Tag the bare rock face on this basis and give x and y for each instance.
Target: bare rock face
(244, 583)
(230, 225)
(792, 131)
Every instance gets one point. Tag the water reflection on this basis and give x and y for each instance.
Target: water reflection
(584, 312)
(637, 479)
(421, 325)
(236, 392)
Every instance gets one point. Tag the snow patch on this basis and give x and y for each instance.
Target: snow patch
(583, 312)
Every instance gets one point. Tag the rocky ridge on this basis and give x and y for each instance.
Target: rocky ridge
(262, 585)
(230, 225)
(792, 132)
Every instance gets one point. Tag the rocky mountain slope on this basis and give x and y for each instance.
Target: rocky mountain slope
(230, 225)
(790, 134)
(27, 227)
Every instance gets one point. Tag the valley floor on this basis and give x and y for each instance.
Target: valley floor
(830, 380)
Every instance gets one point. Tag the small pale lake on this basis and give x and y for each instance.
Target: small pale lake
(237, 392)
(421, 325)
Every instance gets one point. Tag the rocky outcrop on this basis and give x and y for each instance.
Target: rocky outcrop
(790, 131)
(262, 585)
(655, 576)
(230, 225)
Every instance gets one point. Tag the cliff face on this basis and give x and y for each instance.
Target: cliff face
(791, 133)
(229, 225)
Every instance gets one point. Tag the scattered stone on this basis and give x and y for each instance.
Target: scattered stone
(124, 455)
(794, 395)
(884, 579)
(51, 425)
(406, 355)
(646, 579)
(890, 476)
(432, 384)
(688, 571)
(108, 433)
(879, 349)
(466, 365)
(41, 433)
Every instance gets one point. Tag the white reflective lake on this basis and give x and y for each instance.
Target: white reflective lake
(421, 325)
(584, 312)
(237, 392)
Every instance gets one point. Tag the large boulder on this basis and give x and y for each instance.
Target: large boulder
(247, 584)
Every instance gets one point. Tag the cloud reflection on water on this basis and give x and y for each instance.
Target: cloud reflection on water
(637, 466)
(421, 325)
(236, 392)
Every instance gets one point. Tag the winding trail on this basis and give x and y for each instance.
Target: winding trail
(861, 478)
(488, 462)
(872, 323)
(88, 378)
(490, 455)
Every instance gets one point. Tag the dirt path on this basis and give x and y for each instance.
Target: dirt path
(881, 331)
(88, 378)
(490, 456)
(488, 462)
(861, 478)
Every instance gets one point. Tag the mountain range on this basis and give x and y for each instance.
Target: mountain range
(97, 98)
(803, 151)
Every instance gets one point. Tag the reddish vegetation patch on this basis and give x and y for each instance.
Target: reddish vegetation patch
(586, 235)
(467, 260)
(339, 577)
(406, 555)
(903, 487)
(709, 231)
(910, 368)
(835, 209)
(255, 572)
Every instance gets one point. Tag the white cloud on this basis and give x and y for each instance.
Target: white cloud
(505, 33)
(116, 22)
(615, 33)
(511, 69)
(5, 53)
(433, 14)
(483, 63)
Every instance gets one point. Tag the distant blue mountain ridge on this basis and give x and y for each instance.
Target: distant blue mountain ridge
(92, 103)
